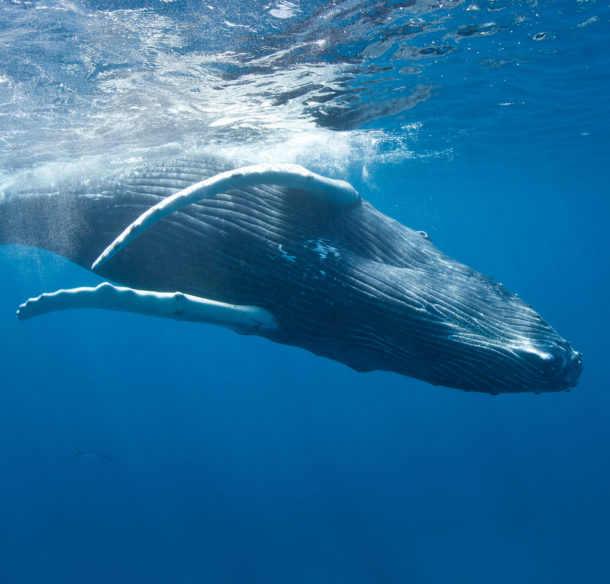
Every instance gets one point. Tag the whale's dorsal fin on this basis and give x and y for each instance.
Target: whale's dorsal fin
(241, 318)
(333, 191)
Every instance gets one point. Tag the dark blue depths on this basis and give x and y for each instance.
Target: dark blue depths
(141, 450)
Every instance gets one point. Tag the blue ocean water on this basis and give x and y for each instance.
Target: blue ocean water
(141, 450)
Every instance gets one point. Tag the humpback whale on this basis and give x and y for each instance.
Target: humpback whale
(281, 252)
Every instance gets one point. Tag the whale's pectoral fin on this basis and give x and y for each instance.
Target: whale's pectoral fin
(241, 318)
(336, 192)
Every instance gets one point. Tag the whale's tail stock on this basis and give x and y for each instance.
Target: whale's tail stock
(64, 212)
(52, 222)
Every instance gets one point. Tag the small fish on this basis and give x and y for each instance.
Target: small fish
(93, 455)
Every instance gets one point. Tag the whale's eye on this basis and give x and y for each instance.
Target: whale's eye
(424, 234)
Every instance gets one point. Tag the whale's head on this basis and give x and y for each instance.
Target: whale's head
(490, 340)
(434, 318)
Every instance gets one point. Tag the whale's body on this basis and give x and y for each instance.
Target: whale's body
(342, 281)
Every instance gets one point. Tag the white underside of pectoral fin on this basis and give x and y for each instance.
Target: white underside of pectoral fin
(176, 305)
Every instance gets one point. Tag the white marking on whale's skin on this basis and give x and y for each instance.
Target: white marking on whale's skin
(323, 249)
(176, 305)
(333, 191)
(289, 258)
